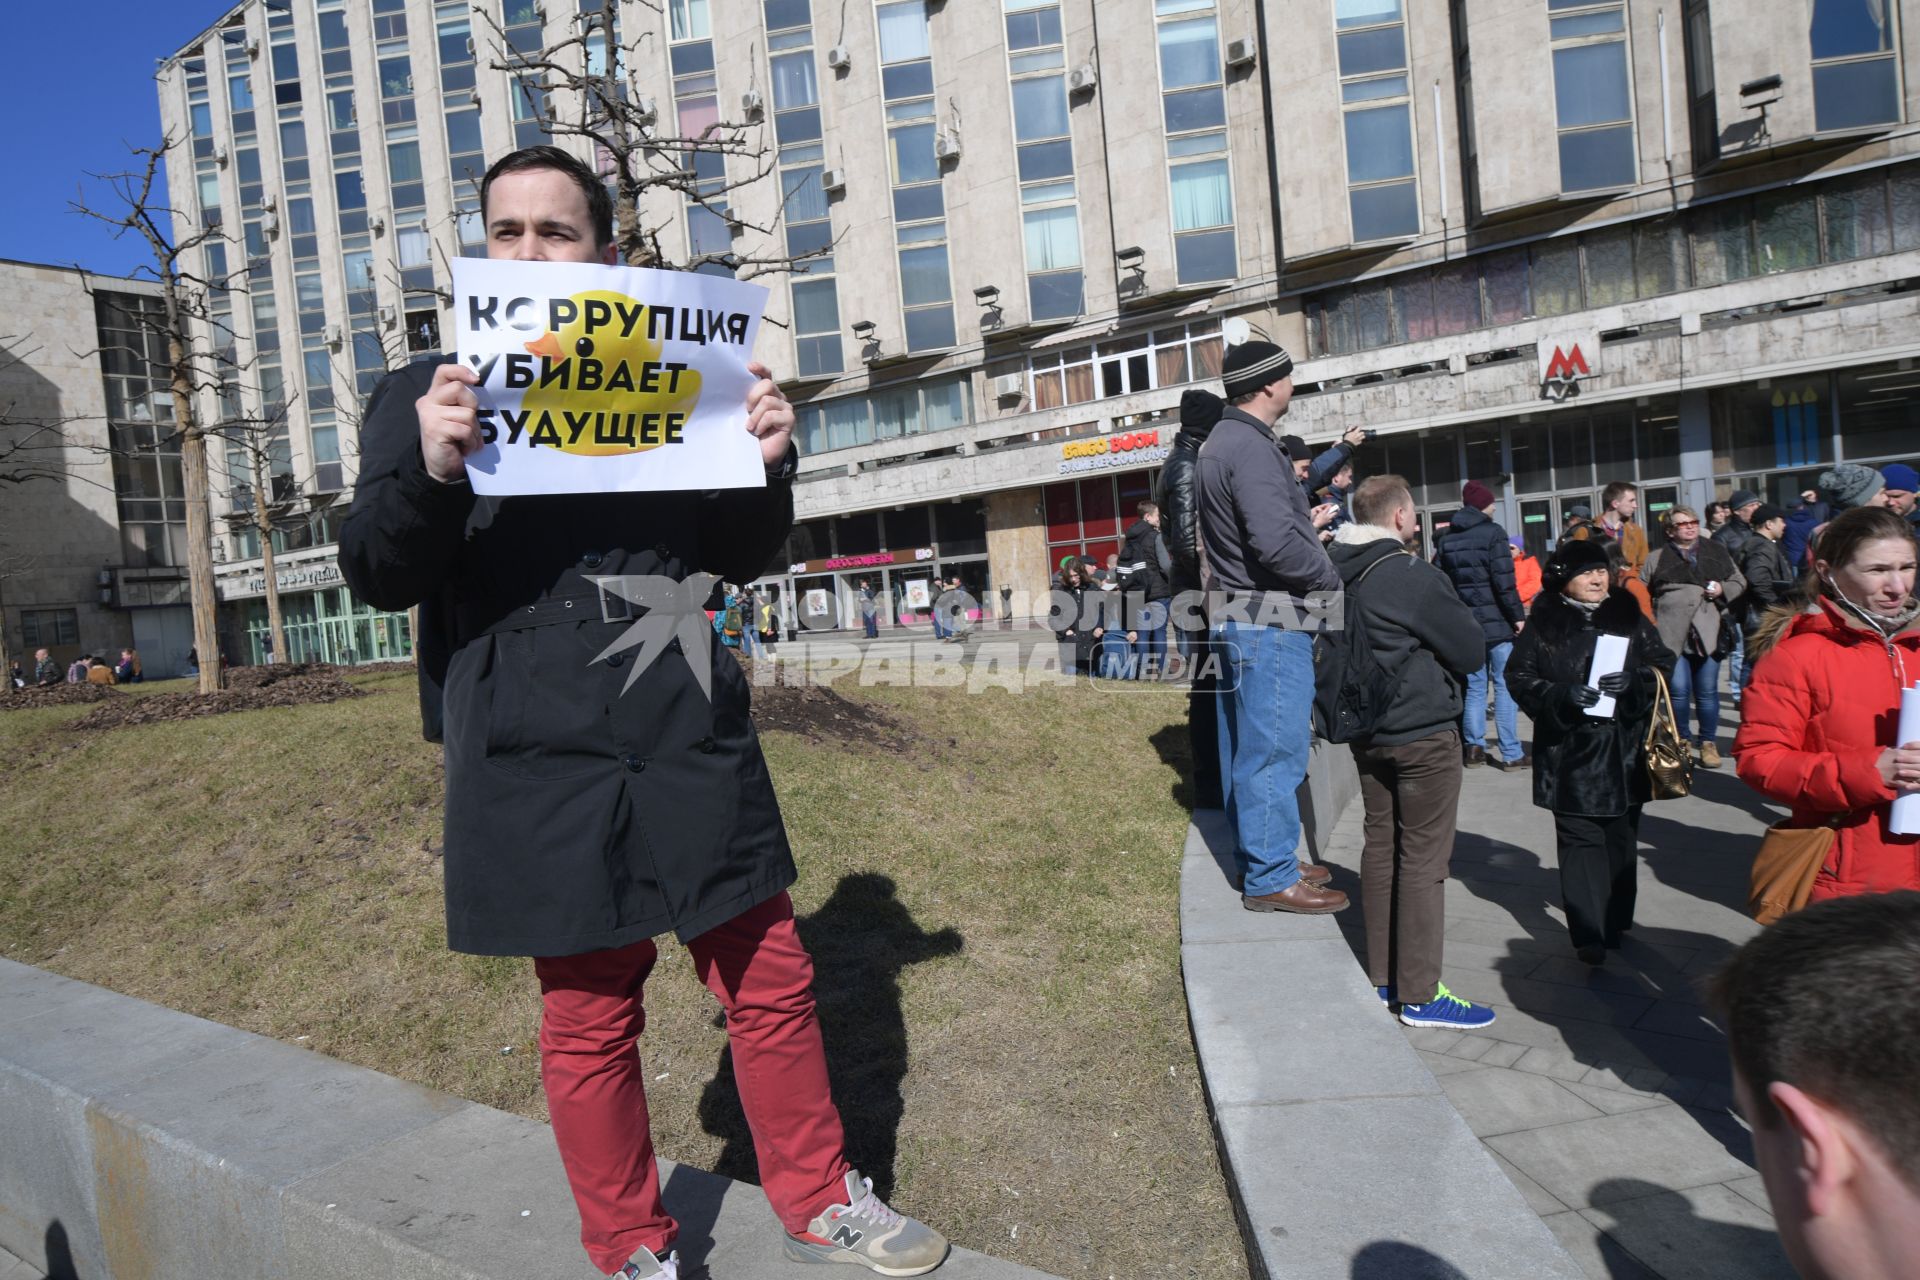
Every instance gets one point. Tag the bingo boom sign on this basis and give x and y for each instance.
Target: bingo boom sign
(607, 379)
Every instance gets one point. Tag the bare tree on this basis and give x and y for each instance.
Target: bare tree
(139, 207)
(587, 85)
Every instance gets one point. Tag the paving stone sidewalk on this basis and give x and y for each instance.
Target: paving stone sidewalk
(1604, 1094)
(11, 1268)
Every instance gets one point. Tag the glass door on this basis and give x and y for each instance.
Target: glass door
(1537, 529)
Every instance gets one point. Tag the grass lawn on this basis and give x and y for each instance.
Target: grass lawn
(993, 912)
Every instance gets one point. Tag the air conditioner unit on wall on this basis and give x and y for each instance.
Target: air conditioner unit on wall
(752, 102)
(838, 58)
(1240, 53)
(1082, 79)
(1009, 386)
(833, 180)
(946, 145)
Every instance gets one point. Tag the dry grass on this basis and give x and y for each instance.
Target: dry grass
(993, 918)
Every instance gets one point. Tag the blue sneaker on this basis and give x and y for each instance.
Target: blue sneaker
(1385, 994)
(1447, 1010)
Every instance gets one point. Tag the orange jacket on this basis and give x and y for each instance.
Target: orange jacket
(1812, 723)
(1526, 578)
(1637, 588)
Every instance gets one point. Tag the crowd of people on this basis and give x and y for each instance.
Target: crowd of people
(1611, 645)
(88, 668)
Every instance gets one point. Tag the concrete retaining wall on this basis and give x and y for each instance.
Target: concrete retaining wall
(1345, 1159)
(138, 1143)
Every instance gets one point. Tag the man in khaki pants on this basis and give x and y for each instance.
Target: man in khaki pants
(1410, 767)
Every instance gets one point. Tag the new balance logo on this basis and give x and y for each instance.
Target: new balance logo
(847, 1236)
(1567, 365)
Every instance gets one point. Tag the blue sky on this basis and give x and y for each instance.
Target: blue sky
(78, 90)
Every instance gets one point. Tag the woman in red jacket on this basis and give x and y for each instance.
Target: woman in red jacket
(1818, 720)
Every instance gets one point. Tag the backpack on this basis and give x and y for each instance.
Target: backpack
(1351, 690)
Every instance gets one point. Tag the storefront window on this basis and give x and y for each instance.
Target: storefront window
(1771, 428)
(960, 528)
(1880, 413)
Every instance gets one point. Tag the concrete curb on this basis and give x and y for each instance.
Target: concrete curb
(143, 1144)
(1344, 1157)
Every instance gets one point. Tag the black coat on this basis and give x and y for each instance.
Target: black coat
(1178, 498)
(1076, 626)
(1140, 557)
(578, 817)
(1582, 764)
(1769, 578)
(1476, 555)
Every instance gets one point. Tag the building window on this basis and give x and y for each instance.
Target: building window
(1593, 94)
(49, 628)
(919, 204)
(1043, 146)
(1377, 116)
(696, 101)
(1702, 116)
(804, 209)
(1194, 115)
(1856, 76)
(888, 413)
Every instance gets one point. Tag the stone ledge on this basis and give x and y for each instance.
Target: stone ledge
(142, 1142)
(1342, 1153)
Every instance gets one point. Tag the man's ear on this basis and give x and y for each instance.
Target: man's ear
(610, 254)
(1825, 1162)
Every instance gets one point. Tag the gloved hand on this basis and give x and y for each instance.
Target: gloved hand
(1615, 683)
(1586, 696)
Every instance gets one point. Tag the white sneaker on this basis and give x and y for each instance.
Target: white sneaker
(645, 1265)
(865, 1232)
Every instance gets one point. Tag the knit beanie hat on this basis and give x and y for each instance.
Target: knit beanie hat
(1476, 495)
(1253, 365)
(1571, 559)
(1296, 447)
(1740, 498)
(1898, 475)
(1850, 485)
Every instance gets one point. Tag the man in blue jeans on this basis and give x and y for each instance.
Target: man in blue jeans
(1263, 559)
(1477, 558)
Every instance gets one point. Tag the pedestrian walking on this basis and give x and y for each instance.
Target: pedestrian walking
(591, 807)
(1901, 484)
(1477, 559)
(1818, 730)
(1430, 643)
(1619, 504)
(869, 610)
(1734, 533)
(1180, 528)
(1693, 580)
(1590, 771)
(1526, 571)
(1717, 515)
(1770, 579)
(1077, 616)
(1263, 555)
(1149, 591)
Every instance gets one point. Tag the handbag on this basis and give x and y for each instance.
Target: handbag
(1669, 760)
(1785, 866)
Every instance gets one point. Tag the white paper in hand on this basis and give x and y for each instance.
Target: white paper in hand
(598, 379)
(1906, 809)
(1609, 656)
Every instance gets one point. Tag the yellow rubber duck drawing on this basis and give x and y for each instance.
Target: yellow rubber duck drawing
(600, 386)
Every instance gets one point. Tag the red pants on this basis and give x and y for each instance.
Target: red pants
(590, 1064)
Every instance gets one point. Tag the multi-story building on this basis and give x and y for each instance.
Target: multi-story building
(1044, 217)
(93, 545)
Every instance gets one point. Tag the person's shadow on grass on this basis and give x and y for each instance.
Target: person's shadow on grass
(861, 940)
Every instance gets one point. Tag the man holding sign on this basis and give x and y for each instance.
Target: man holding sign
(598, 797)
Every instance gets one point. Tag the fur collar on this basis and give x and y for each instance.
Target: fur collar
(1558, 621)
(1359, 535)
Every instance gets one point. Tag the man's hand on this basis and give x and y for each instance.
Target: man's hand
(1354, 436)
(448, 429)
(1324, 513)
(769, 416)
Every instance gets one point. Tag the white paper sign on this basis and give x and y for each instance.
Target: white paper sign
(607, 379)
(1905, 820)
(1609, 656)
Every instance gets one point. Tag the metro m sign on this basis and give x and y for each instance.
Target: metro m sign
(1565, 360)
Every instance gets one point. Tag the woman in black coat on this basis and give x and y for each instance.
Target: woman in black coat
(1080, 627)
(1590, 771)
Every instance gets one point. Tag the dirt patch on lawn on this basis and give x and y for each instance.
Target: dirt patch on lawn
(818, 714)
(54, 695)
(249, 689)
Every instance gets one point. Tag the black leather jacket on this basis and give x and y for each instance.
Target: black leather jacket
(1178, 501)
